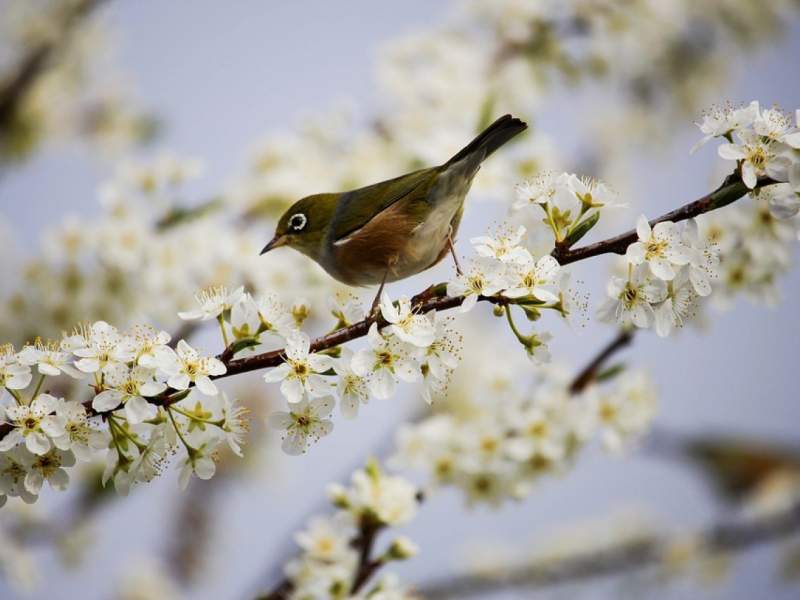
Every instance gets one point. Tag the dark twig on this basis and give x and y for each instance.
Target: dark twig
(587, 375)
(727, 537)
(367, 566)
(435, 297)
(15, 89)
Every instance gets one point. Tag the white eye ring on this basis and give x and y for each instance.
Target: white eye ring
(297, 222)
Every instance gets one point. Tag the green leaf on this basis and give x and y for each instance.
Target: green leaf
(582, 229)
(610, 372)
(242, 344)
(179, 214)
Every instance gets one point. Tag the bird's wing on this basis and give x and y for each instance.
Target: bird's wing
(358, 207)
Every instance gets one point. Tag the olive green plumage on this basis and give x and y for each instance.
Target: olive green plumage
(393, 229)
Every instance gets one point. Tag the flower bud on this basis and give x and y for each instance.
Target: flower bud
(401, 549)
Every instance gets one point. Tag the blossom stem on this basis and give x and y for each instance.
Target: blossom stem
(188, 415)
(15, 394)
(731, 190)
(522, 339)
(221, 322)
(583, 379)
(435, 297)
(38, 387)
(189, 448)
(120, 429)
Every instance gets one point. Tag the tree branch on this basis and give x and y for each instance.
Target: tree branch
(727, 537)
(15, 89)
(435, 297)
(589, 373)
(730, 191)
(367, 567)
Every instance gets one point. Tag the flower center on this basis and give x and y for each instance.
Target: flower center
(629, 295)
(655, 248)
(758, 157)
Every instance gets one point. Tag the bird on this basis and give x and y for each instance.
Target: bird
(393, 229)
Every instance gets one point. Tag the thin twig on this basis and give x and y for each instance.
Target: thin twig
(367, 567)
(435, 297)
(33, 64)
(726, 537)
(588, 374)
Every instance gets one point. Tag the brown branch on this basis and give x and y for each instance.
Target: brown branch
(435, 297)
(589, 372)
(364, 544)
(16, 88)
(726, 537)
(366, 566)
(731, 190)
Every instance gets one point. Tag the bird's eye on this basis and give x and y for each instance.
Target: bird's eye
(298, 222)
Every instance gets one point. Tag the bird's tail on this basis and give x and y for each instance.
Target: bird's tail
(490, 139)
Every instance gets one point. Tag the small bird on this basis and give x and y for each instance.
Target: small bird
(394, 229)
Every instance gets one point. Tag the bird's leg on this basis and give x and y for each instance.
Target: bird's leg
(373, 312)
(453, 250)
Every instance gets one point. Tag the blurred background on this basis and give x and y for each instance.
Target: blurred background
(244, 107)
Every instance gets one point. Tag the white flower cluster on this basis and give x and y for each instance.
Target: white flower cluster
(144, 253)
(498, 450)
(755, 247)
(141, 388)
(504, 268)
(742, 248)
(77, 95)
(411, 348)
(329, 562)
(668, 270)
(570, 204)
(763, 142)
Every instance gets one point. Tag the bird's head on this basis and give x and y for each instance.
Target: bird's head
(304, 225)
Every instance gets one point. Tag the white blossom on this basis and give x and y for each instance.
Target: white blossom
(412, 328)
(759, 157)
(13, 374)
(200, 462)
(213, 302)
(384, 362)
(79, 436)
(327, 539)
(630, 298)
(101, 347)
(482, 277)
(351, 388)
(14, 466)
(300, 373)
(392, 500)
(536, 278)
(306, 420)
(660, 247)
(722, 122)
(503, 246)
(131, 387)
(703, 259)
(34, 424)
(49, 360)
(678, 305)
(48, 467)
(185, 366)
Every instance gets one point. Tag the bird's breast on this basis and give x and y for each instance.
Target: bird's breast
(404, 239)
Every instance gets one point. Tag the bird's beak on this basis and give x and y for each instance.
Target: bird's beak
(276, 242)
